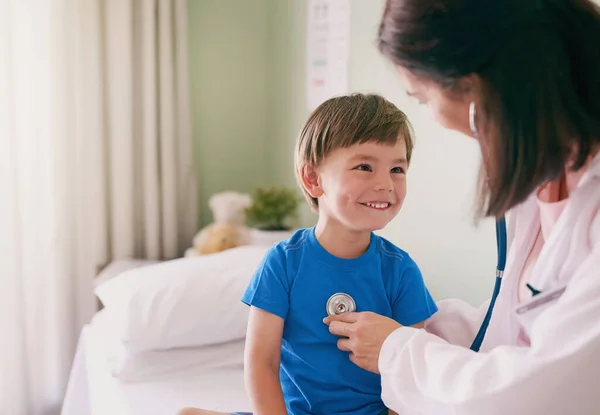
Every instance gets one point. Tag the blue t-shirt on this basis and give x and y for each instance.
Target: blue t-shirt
(295, 280)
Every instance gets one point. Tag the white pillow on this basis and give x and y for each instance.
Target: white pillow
(186, 302)
(154, 365)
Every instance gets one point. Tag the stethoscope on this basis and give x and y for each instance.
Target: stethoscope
(501, 245)
(340, 303)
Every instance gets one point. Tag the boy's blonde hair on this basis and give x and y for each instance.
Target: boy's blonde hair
(345, 121)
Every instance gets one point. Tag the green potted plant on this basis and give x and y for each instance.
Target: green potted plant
(271, 213)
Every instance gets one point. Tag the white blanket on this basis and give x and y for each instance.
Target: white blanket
(93, 390)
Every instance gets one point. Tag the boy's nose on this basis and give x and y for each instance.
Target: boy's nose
(384, 184)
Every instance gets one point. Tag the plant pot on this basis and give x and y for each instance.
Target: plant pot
(269, 238)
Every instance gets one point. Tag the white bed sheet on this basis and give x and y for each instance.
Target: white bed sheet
(94, 391)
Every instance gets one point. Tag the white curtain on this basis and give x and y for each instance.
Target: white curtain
(96, 163)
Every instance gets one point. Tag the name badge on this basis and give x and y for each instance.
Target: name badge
(527, 313)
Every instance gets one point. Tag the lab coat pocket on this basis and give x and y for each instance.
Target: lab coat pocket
(528, 311)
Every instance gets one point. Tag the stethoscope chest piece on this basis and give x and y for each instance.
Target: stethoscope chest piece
(340, 303)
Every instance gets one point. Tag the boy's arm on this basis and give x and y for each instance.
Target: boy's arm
(413, 303)
(262, 359)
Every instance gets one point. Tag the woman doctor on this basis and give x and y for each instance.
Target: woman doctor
(523, 78)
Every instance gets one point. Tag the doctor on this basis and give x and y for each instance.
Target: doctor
(523, 78)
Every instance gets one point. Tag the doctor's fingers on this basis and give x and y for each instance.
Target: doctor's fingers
(342, 329)
(344, 317)
(346, 345)
(364, 363)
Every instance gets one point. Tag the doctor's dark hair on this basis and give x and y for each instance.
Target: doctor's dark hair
(345, 121)
(537, 73)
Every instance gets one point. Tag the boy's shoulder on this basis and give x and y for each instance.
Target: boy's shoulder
(390, 252)
(292, 245)
(288, 254)
(297, 240)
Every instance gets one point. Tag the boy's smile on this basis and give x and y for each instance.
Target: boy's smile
(377, 205)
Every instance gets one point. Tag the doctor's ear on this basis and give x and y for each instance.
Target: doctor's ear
(309, 177)
(468, 86)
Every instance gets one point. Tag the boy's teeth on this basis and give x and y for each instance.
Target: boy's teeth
(378, 205)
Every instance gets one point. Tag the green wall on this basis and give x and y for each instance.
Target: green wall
(247, 74)
(287, 96)
(229, 64)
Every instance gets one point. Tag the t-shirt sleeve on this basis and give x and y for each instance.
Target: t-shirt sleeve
(413, 303)
(269, 288)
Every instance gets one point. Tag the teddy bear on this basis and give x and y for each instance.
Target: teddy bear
(228, 229)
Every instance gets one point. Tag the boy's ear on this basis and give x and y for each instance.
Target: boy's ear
(310, 180)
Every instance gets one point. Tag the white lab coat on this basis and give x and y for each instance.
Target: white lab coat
(559, 374)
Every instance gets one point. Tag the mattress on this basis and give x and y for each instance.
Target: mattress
(93, 390)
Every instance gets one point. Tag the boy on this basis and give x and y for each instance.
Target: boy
(351, 162)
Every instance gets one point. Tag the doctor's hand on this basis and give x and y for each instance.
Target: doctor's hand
(362, 334)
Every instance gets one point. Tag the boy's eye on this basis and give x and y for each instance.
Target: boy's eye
(363, 167)
(397, 170)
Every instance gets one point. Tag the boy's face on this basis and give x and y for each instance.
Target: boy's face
(363, 186)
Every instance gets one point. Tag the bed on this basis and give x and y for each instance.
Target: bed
(93, 390)
(171, 335)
